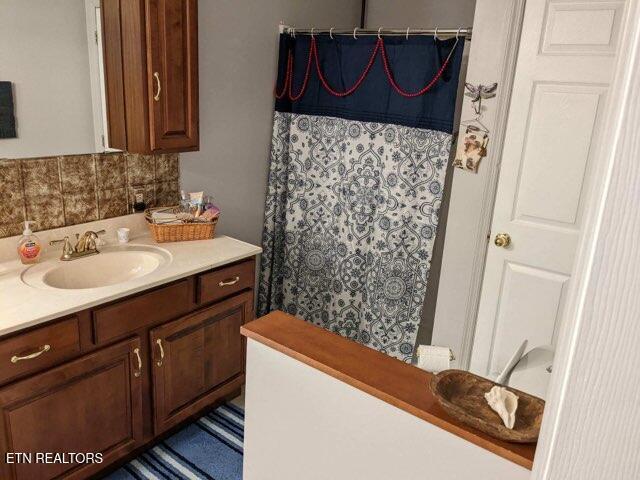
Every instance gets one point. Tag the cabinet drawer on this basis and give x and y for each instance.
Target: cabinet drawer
(39, 349)
(221, 283)
(123, 318)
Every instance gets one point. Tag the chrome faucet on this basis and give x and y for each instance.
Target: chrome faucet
(85, 245)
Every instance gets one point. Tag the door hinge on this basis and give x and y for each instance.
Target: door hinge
(95, 34)
(103, 140)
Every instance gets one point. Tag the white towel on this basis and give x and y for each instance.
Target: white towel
(164, 218)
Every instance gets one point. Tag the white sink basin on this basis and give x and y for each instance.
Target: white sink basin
(111, 266)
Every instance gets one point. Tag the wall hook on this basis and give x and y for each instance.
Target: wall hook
(479, 93)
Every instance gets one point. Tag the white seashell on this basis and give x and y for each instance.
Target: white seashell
(504, 403)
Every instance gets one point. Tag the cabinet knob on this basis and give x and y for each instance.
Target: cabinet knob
(502, 240)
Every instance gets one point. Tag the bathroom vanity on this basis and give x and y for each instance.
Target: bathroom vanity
(120, 365)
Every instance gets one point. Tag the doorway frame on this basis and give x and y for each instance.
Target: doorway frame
(461, 341)
(583, 434)
(483, 229)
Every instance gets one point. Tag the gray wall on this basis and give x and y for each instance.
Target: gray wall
(419, 13)
(238, 57)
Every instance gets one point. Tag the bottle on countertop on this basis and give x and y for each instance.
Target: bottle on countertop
(185, 206)
(29, 246)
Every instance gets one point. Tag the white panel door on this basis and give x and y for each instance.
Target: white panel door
(563, 71)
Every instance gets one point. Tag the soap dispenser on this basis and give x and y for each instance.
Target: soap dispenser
(29, 246)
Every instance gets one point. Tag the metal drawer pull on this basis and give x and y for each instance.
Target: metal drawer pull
(44, 348)
(159, 362)
(230, 281)
(137, 352)
(156, 97)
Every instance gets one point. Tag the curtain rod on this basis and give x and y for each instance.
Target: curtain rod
(445, 32)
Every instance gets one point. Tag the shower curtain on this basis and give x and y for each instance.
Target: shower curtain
(361, 139)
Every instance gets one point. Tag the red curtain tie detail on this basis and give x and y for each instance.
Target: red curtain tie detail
(423, 90)
(287, 89)
(307, 73)
(355, 86)
(281, 95)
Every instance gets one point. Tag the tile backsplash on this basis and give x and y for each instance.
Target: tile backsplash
(72, 189)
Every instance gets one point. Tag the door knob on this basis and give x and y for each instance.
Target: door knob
(502, 240)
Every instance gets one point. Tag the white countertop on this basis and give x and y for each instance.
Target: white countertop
(22, 305)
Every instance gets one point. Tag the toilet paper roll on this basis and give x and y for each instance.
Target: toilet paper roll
(433, 358)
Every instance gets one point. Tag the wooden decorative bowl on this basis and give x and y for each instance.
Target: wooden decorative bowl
(461, 395)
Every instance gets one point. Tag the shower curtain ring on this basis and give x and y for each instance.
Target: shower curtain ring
(379, 30)
(435, 35)
(354, 33)
(458, 34)
(293, 32)
(407, 33)
(312, 30)
(331, 33)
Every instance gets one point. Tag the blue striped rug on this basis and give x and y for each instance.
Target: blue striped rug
(208, 449)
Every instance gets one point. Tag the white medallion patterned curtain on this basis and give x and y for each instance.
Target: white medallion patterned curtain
(352, 205)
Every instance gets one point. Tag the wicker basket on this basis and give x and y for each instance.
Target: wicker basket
(179, 232)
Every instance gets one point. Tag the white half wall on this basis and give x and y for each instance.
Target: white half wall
(238, 42)
(301, 423)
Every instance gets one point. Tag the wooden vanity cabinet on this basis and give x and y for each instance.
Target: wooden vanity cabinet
(194, 356)
(119, 319)
(92, 404)
(172, 68)
(115, 376)
(151, 74)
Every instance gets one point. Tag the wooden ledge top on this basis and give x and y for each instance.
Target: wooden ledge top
(397, 383)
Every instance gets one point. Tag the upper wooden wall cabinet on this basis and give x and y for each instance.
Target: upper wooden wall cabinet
(151, 74)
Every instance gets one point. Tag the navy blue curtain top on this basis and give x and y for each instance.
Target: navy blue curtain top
(413, 62)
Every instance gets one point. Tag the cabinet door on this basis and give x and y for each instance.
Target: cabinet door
(172, 68)
(198, 359)
(93, 404)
